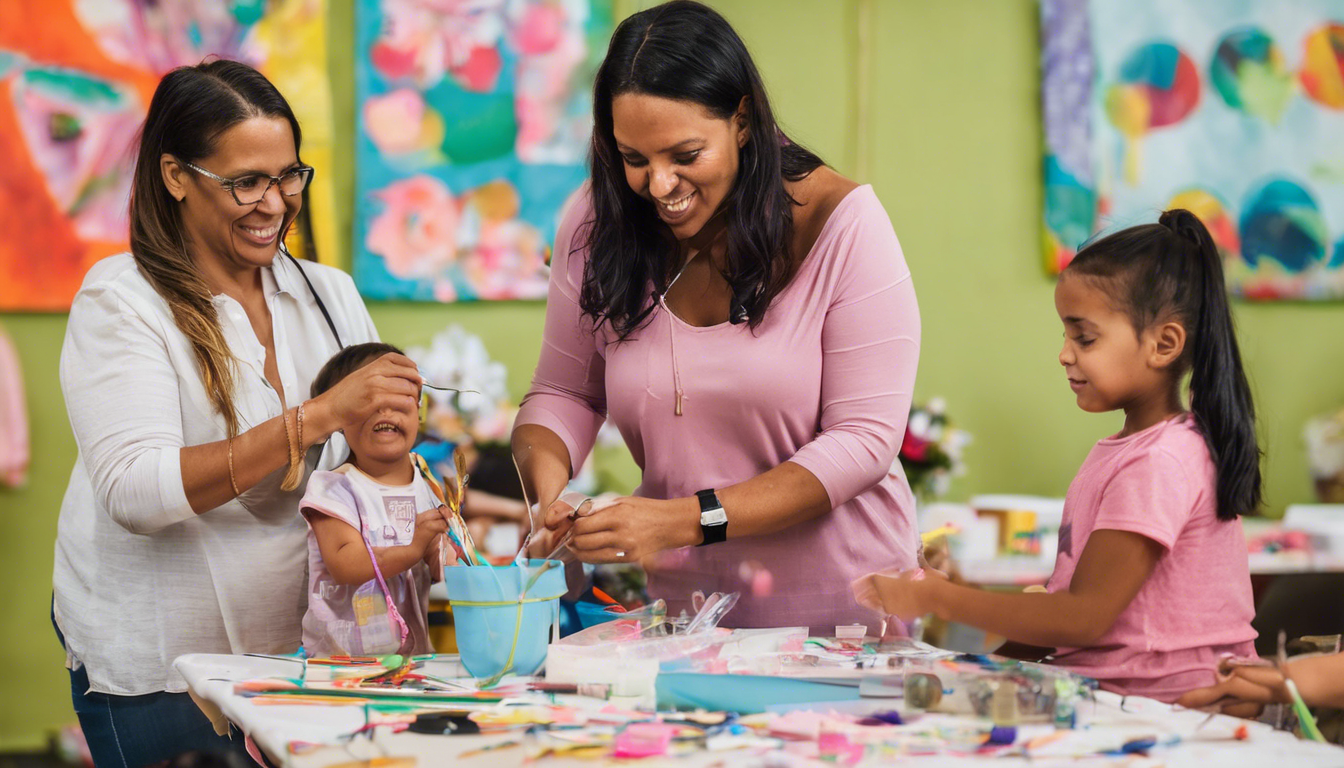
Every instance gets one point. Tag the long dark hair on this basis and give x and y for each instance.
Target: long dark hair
(685, 51)
(1172, 270)
(191, 108)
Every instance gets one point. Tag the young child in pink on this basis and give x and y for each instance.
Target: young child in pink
(1151, 587)
(374, 533)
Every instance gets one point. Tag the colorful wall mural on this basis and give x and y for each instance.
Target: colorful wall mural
(1233, 109)
(474, 121)
(76, 77)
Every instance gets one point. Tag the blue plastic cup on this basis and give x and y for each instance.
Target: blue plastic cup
(497, 633)
(592, 614)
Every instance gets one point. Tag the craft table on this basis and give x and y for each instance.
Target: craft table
(275, 727)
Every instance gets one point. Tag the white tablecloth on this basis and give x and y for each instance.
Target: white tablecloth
(274, 727)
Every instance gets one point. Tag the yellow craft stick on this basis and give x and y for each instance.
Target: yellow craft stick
(489, 748)
(460, 466)
(929, 537)
(379, 762)
(453, 500)
(434, 486)
(325, 701)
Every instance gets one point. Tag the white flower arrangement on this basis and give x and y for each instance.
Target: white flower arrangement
(931, 453)
(1324, 436)
(481, 411)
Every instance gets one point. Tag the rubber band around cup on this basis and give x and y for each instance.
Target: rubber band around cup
(501, 603)
(517, 622)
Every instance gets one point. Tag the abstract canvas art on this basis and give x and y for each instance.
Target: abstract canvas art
(474, 122)
(76, 77)
(1233, 109)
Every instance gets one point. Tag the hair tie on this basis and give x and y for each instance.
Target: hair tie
(1183, 224)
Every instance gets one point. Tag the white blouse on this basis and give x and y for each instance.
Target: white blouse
(140, 579)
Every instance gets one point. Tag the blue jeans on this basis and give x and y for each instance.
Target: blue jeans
(134, 731)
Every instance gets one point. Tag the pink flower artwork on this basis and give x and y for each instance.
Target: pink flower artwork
(427, 40)
(394, 121)
(159, 35)
(445, 291)
(550, 41)
(84, 147)
(424, 232)
(508, 256)
(76, 77)
(539, 29)
(489, 98)
(400, 123)
(416, 233)
(424, 41)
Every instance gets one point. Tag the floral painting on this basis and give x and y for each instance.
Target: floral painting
(1233, 109)
(76, 77)
(474, 121)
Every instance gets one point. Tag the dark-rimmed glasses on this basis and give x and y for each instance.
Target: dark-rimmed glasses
(249, 190)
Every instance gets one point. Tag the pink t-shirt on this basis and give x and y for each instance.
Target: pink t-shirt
(1197, 605)
(825, 382)
(354, 620)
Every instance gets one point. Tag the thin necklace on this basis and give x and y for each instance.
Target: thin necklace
(677, 276)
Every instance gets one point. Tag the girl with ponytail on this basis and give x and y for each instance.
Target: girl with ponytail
(1151, 586)
(184, 371)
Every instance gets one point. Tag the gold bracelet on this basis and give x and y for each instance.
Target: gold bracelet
(298, 420)
(232, 480)
(289, 438)
(292, 478)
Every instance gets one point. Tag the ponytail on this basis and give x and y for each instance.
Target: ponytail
(1220, 396)
(1172, 269)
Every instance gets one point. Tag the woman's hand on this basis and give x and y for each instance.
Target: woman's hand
(1241, 691)
(630, 528)
(561, 514)
(392, 381)
(903, 594)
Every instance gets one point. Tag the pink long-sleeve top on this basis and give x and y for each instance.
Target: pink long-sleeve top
(825, 382)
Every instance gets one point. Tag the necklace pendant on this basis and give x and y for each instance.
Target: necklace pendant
(678, 409)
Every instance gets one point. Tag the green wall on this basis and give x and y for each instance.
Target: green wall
(951, 142)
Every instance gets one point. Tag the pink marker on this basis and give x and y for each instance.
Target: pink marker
(643, 740)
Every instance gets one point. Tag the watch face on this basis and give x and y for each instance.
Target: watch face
(714, 517)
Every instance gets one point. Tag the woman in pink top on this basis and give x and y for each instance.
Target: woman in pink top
(745, 317)
(1151, 588)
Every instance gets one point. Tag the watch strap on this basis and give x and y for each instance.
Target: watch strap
(716, 531)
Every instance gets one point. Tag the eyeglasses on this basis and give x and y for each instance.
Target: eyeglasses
(249, 189)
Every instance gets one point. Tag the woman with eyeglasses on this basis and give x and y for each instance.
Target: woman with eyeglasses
(184, 370)
(744, 315)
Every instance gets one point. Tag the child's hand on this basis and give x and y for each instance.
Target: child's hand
(902, 594)
(1242, 692)
(865, 590)
(429, 525)
(432, 558)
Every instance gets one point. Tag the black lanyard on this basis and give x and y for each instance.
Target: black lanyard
(316, 298)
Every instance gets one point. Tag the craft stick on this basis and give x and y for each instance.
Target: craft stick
(490, 748)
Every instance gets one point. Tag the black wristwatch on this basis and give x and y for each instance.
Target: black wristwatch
(713, 518)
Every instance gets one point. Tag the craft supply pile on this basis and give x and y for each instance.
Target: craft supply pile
(646, 685)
